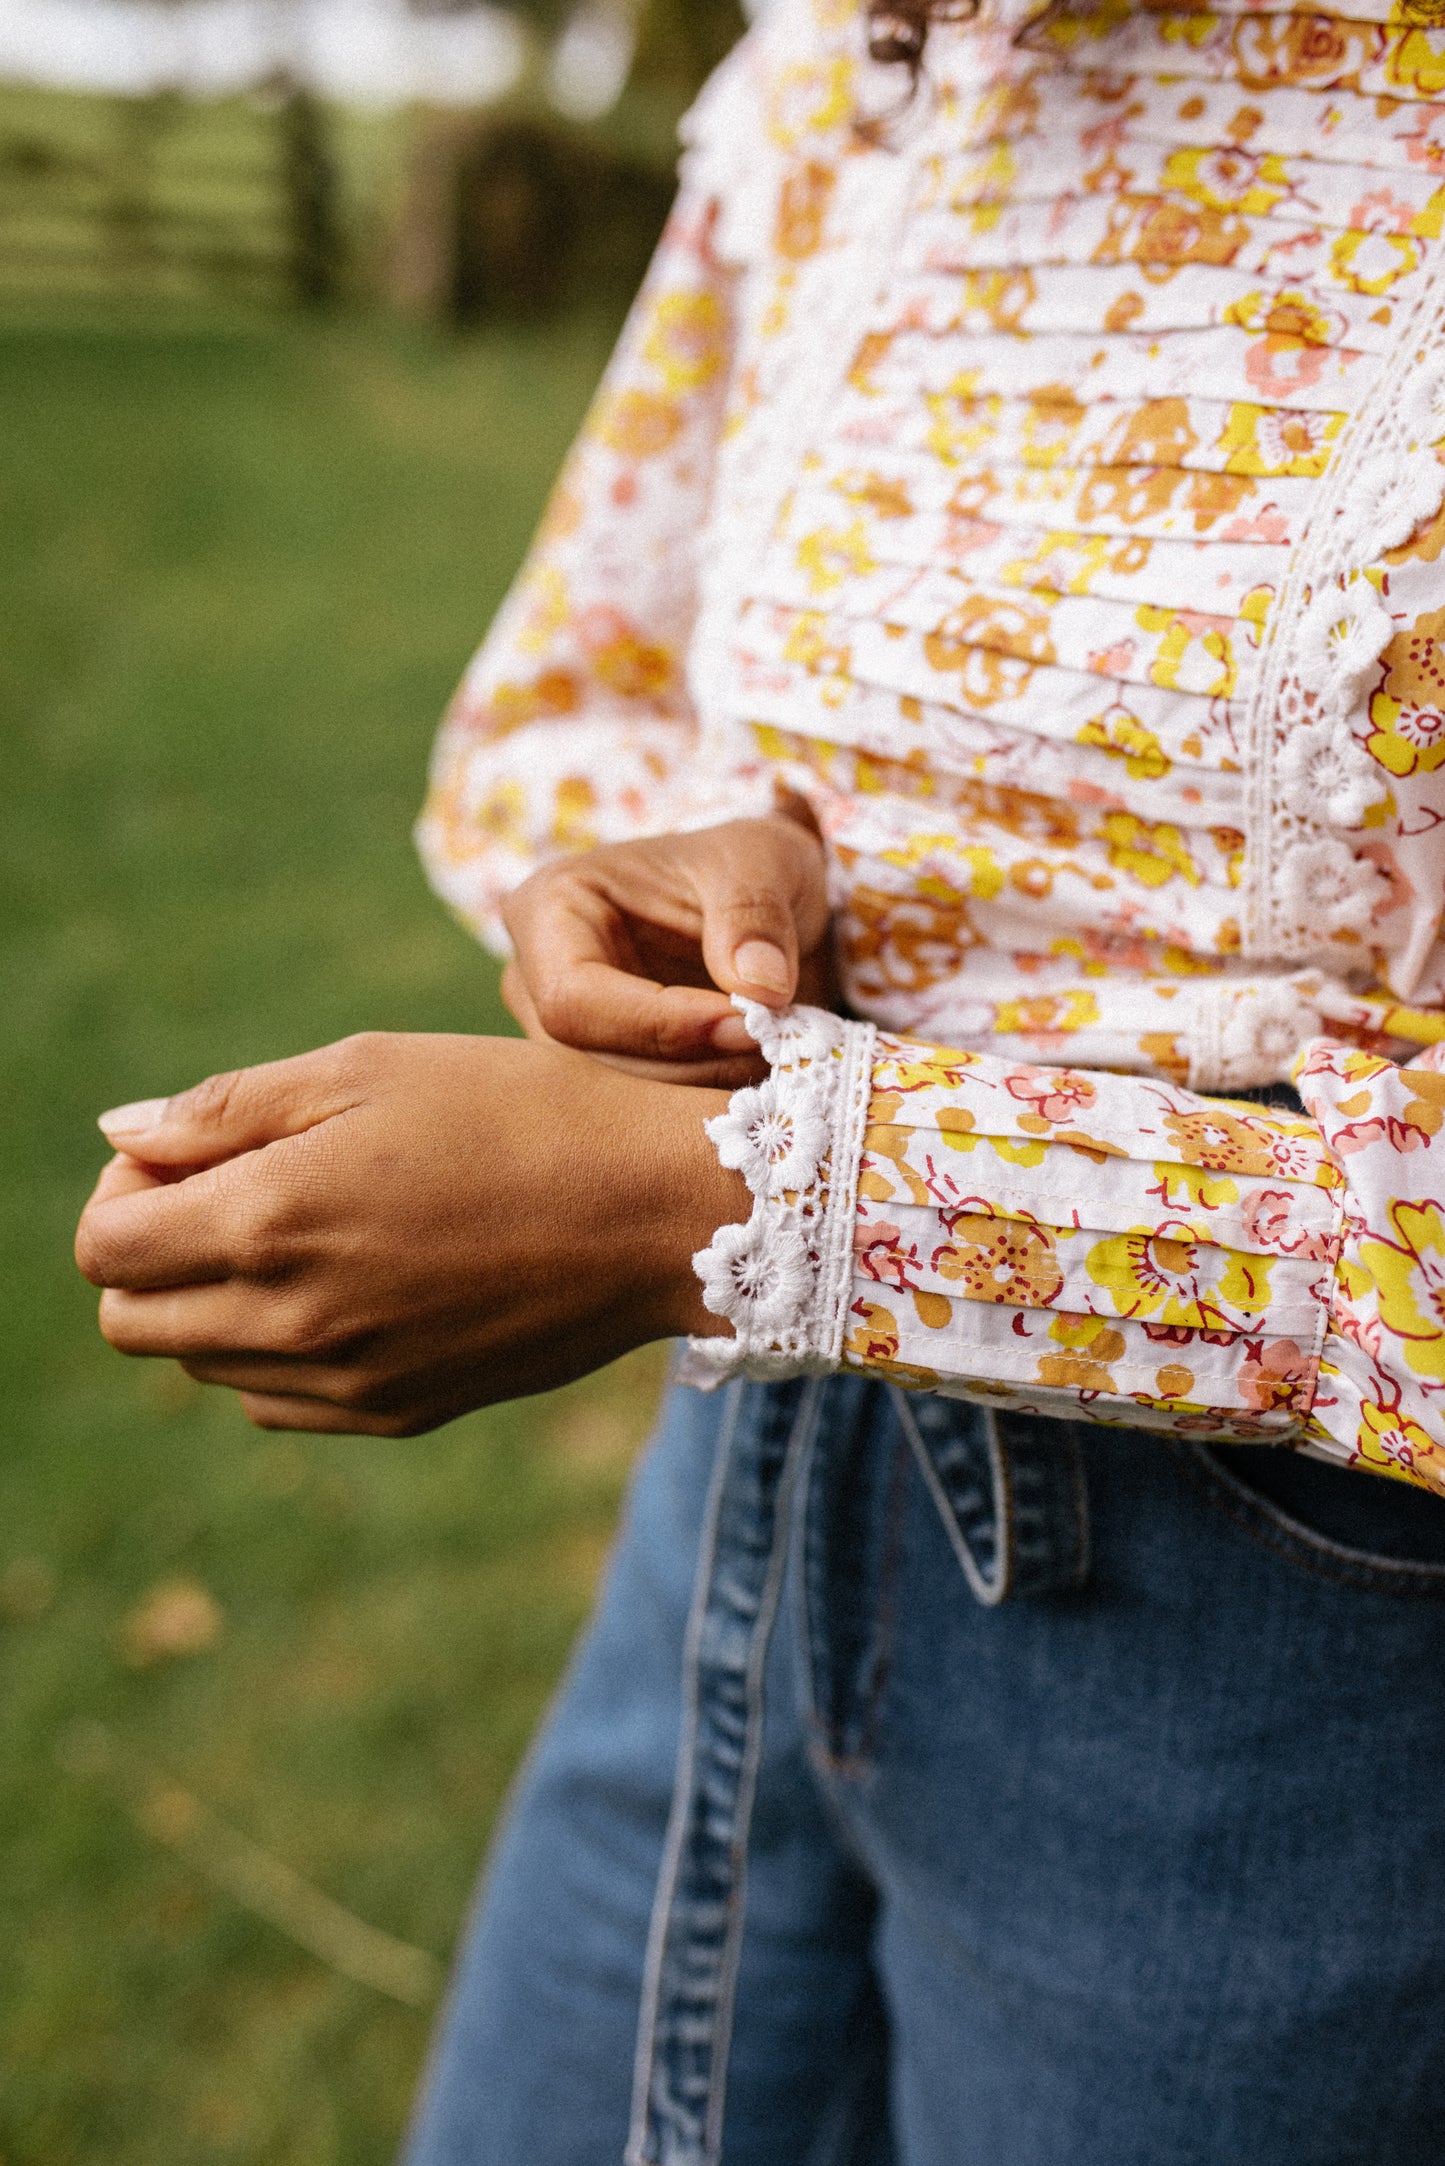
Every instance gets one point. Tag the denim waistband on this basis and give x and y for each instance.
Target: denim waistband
(1010, 1493)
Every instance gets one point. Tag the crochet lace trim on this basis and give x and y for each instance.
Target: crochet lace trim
(783, 1279)
(1311, 781)
(1247, 1032)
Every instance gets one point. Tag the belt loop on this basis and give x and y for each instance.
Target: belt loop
(1009, 1489)
(695, 1939)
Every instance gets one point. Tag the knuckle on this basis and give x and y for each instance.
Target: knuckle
(259, 1238)
(315, 1324)
(362, 1055)
(559, 1009)
(208, 1102)
(759, 903)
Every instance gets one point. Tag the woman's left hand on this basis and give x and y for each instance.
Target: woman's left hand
(381, 1235)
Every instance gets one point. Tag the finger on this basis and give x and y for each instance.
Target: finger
(727, 1072)
(122, 1176)
(278, 1410)
(520, 1005)
(763, 893)
(220, 1223)
(717, 1071)
(242, 1109)
(578, 981)
(274, 1376)
(214, 1321)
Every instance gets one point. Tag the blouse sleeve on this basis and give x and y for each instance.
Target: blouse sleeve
(573, 725)
(1093, 1245)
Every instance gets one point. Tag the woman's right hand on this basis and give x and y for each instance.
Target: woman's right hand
(632, 952)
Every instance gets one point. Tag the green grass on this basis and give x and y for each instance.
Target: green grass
(243, 565)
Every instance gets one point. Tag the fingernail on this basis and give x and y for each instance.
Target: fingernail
(732, 1035)
(758, 962)
(133, 1120)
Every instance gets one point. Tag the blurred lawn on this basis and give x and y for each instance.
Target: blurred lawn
(243, 565)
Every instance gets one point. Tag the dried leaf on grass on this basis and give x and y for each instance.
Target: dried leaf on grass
(175, 1617)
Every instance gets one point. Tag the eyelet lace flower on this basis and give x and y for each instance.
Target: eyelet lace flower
(773, 1139)
(757, 1275)
(1342, 633)
(1328, 885)
(1324, 767)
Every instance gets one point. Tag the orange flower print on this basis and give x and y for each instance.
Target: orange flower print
(1000, 1259)
(1305, 49)
(551, 693)
(803, 202)
(639, 424)
(1407, 713)
(1090, 1346)
(1221, 1142)
(874, 1338)
(993, 645)
(621, 658)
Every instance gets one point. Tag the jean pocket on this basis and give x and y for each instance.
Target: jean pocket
(1358, 1529)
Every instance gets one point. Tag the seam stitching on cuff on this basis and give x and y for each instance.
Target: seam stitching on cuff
(850, 1117)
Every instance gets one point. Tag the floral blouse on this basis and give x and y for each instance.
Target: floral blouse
(1043, 483)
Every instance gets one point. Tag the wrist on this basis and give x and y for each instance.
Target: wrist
(681, 1195)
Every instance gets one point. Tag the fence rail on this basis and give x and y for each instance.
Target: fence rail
(148, 196)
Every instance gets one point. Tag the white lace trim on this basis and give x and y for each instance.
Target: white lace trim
(1247, 1032)
(784, 1278)
(1310, 780)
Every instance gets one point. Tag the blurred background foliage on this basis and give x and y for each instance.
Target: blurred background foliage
(249, 530)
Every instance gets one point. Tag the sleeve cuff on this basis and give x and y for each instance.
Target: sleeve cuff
(784, 1279)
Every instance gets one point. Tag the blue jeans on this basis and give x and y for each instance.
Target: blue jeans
(933, 1789)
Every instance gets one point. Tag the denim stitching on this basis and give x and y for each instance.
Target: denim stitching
(694, 1942)
(649, 2012)
(988, 1590)
(1273, 1529)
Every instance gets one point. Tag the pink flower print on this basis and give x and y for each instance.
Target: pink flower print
(1052, 1094)
(1112, 661)
(882, 1256)
(1268, 524)
(1279, 368)
(1275, 1375)
(1380, 211)
(1269, 1216)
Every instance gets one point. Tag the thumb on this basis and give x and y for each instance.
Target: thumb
(235, 1112)
(762, 901)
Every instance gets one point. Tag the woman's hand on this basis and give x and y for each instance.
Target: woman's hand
(378, 1236)
(631, 952)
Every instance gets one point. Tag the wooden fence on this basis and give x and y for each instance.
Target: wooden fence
(158, 196)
